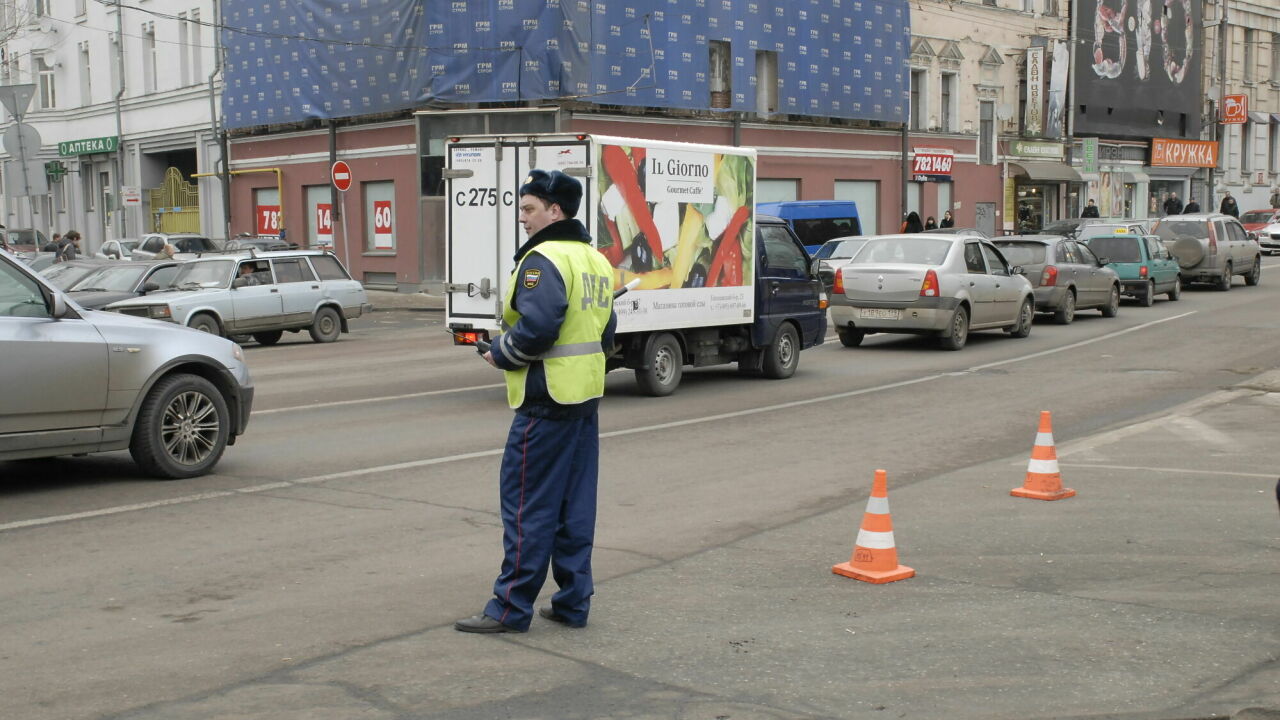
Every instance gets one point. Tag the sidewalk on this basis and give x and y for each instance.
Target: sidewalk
(388, 300)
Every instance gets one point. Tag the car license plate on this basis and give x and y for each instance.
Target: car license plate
(879, 313)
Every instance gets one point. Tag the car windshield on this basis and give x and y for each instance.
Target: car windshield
(907, 251)
(1093, 231)
(211, 274)
(839, 249)
(1023, 253)
(816, 232)
(64, 275)
(113, 278)
(1257, 216)
(1169, 230)
(1117, 249)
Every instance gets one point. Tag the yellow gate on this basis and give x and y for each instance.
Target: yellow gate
(175, 205)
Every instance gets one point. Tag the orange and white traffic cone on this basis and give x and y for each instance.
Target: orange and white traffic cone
(875, 559)
(1043, 480)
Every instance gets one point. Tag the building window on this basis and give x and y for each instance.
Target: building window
(766, 82)
(771, 190)
(82, 8)
(379, 216)
(1275, 58)
(184, 59)
(1273, 148)
(86, 188)
(40, 8)
(86, 84)
(987, 133)
(1029, 6)
(1050, 7)
(991, 3)
(115, 62)
(866, 194)
(149, 57)
(948, 110)
(194, 37)
(1246, 147)
(919, 88)
(720, 67)
(1250, 38)
(48, 90)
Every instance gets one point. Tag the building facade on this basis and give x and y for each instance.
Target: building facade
(123, 103)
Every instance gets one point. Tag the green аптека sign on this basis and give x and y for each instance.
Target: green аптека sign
(89, 145)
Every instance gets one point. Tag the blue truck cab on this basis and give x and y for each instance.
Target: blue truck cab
(816, 221)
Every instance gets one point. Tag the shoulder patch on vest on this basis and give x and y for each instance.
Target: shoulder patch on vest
(531, 278)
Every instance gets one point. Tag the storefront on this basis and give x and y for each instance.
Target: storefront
(1172, 165)
(1039, 186)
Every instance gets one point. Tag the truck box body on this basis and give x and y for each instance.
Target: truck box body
(678, 217)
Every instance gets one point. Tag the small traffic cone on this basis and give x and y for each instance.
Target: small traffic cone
(875, 559)
(1043, 481)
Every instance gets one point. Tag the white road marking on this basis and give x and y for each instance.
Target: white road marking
(384, 398)
(38, 522)
(1181, 471)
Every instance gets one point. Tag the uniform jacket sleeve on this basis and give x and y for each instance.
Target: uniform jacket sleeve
(542, 311)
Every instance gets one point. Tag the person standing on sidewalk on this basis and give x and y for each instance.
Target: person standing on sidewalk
(558, 316)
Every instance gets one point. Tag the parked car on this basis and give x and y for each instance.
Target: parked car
(832, 254)
(258, 294)
(26, 239)
(63, 275)
(151, 244)
(38, 261)
(261, 243)
(116, 249)
(943, 285)
(1080, 228)
(816, 221)
(1268, 238)
(79, 381)
(1255, 220)
(1145, 266)
(1211, 247)
(122, 280)
(966, 231)
(1066, 275)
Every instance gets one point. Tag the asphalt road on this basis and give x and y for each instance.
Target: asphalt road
(317, 574)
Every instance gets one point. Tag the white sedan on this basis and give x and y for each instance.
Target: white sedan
(943, 285)
(1269, 238)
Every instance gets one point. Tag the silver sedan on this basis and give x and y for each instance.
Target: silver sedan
(943, 285)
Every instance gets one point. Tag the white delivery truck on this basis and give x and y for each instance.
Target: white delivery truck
(716, 283)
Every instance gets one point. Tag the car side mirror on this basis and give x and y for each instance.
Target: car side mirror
(1017, 270)
(1103, 261)
(59, 309)
(149, 287)
(827, 274)
(239, 282)
(815, 267)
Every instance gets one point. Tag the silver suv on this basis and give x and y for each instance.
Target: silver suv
(1211, 247)
(258, 294)
(80, 381)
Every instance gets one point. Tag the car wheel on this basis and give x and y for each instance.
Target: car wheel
(182, 428)
(1148, 296)
(205, 323)
(850, 337)
(1026, 317)
(1065, 314)
(957, 332)
(783, 354)
(1224, 282)
(240, 339)
(1112, 308)
(664, 366)
(1255, 275)
(268, 338)
(1176, 292)
(327, 326)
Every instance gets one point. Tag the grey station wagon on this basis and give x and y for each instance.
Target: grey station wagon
(258, 294)
(81, 381)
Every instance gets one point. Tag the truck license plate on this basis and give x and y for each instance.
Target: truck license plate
(879, 313)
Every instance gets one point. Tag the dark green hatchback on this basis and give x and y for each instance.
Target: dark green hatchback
(1145, 267)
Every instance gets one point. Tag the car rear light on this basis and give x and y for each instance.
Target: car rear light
(823, 303)
(929, 288)
(1049, 276)
(1213, 241)
(1142, 271)
(839, 283)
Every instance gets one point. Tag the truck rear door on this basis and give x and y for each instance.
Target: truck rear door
(784, 289)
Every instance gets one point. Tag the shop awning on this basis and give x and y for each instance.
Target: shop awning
(1260, 117)
(1171, 173)
(1050, 172)
(1135, 176)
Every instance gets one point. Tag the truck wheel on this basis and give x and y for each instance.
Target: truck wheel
(204, 322)
(957, 332)
(1224, 282)
(664, 365)
(850, 337)
(1112, 308)
(1255, 275)
(1065, 314)
(783, 354)
(182, 428)
(1176, 292)
(327, 326)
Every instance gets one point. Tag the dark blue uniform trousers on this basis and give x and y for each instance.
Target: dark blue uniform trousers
(548, 487)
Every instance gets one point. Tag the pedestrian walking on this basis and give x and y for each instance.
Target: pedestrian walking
(70, 248)
(1229, 206)
(1090, 210)
(1172, 205)
(559, 317)
(912, 223)
(1275, 199)
(947, 220)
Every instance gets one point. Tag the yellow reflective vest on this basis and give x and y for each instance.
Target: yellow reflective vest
(575, 364)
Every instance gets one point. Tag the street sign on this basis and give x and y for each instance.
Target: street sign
(341, 174)
(22, 142)
(1235, 109)
(89, 146)
(131, 195)
(20, 139)
(16, 98)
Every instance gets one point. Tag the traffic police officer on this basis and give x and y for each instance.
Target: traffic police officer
(557, 319)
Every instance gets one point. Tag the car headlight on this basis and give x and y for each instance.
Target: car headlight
(236, 352)
(160, 312)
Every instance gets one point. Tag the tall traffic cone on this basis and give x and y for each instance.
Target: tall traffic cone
(1043, 481)
(875, 559)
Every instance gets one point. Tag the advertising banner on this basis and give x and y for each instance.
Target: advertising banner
(1138, 68)
(324, 226)
(1033, 123)
(383, 236)
(1053, 121)
(932, 164)
(682, 221)
(268, 220)
(1235, 109)
(1184, 153)
(1090, 147)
